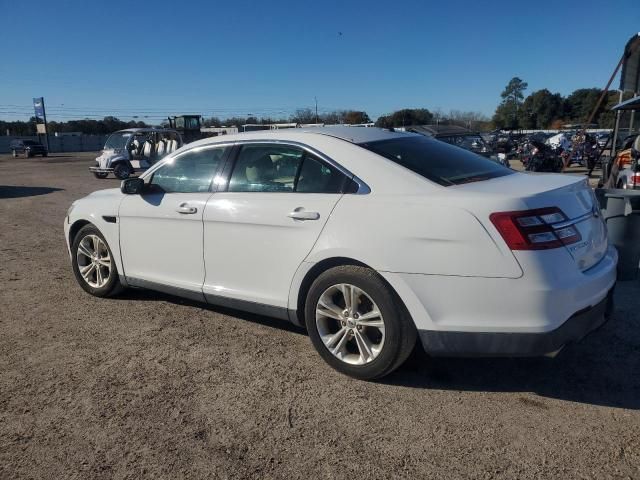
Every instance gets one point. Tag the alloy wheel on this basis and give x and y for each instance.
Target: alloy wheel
(94, 261)
(350, 324)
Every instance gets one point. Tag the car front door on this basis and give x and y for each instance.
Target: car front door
(161, 230)
(258, 231)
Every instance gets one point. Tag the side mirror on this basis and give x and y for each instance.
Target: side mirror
(132, 186)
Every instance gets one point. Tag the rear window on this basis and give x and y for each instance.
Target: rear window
(437, 161)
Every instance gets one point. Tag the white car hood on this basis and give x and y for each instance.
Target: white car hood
(114, 193)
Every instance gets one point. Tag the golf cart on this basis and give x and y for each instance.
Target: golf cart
(134, 150)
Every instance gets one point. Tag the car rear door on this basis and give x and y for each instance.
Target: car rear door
(161, 230)
(258, 231)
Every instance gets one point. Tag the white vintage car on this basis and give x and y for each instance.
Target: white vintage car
(134, 150)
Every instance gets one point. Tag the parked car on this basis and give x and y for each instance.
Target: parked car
(460, 137)
(369, 238)
(133, 150)
(455, 135)
(28, 148)
(603, 139)
(628, 164)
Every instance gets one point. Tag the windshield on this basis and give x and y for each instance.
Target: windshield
(117, 141)
(30, 142)
(438, 161)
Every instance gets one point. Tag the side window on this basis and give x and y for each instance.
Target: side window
(265, 168)
(317, 177)
(191, 172)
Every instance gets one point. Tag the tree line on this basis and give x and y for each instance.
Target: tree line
(540, 109)
(302, 115)
(87, 126)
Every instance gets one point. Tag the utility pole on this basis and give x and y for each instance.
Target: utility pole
(316, 99)
(46, 127)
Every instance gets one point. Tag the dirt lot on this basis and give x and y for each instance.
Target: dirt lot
(150, 386)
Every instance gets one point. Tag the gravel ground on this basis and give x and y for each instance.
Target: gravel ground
(151, 386)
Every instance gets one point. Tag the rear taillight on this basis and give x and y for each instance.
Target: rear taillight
(533, 229)
(635, 179)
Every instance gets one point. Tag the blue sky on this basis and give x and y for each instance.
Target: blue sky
(271, 57)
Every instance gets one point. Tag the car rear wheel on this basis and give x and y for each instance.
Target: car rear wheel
(93, 263)
(357, 323)
(122, 171)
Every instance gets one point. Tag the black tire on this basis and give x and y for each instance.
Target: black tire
(100, 174)
(122, 171)
(400, 331)
(45, 154)
(113, 285)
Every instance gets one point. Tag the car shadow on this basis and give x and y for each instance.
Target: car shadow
(603, 369)
(150, 295)
(14, 191)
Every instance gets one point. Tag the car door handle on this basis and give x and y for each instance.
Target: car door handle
(301, 214)
(186, 209)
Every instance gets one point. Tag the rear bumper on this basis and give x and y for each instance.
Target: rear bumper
(580, 324)
(552, 304)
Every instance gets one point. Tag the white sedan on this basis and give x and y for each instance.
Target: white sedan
(369, 238)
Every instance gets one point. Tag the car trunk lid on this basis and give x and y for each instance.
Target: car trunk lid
(571, 194)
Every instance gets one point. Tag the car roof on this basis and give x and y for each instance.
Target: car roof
(356, 135)
(144, 129)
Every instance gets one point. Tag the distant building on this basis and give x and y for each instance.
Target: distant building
(216, 131)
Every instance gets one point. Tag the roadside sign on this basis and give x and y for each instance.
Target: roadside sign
(38, 107)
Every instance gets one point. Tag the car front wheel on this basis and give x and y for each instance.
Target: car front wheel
(93, 263)
(100, 174)
(122, 171)
(357, 323)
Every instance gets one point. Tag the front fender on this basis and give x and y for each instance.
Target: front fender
(93, 209)
(110, 161)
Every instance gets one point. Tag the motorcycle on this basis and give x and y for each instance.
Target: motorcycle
(542, 158)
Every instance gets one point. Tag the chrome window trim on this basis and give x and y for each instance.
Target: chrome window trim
(363, 188)
(149, 172)
(147, 176)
